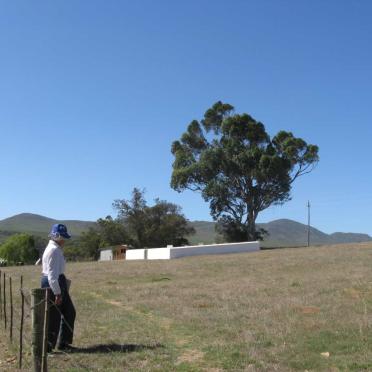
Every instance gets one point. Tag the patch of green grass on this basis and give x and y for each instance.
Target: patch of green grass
(342, 342)
(355, 366)
(230, 357)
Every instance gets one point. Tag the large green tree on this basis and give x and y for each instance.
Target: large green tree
(88, 245)
(107, 232)
(19, 248)
(238, 168)
(152, 226)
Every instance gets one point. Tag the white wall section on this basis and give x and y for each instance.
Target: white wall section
(135, 254)
(193, 250)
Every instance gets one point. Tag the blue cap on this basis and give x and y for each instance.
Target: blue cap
(59, 230)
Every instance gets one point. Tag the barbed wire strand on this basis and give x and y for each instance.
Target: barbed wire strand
(27, 329)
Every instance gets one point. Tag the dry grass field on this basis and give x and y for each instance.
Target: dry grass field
(276, 310)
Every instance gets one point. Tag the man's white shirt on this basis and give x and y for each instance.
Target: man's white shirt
(53, 263)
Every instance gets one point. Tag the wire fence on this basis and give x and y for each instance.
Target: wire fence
(24, 315)
(15, 317)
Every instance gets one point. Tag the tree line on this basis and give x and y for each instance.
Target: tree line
(137, 225)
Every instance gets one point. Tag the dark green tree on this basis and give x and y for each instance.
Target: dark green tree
(166, 225)
(132, 214)
(40, 244)
(106, 233)
(19, 248)
(238, 168)
(88, 246)
(112, 232)
(155, 226)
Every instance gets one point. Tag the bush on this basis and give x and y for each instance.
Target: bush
(19, 248)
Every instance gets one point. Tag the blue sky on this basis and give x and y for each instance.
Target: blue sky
(92, 94)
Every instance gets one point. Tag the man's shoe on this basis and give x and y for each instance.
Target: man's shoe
(65, 347)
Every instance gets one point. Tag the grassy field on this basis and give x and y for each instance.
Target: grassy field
(276, 310)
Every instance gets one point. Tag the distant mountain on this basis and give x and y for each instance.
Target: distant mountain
(205, 232)
(339, 237)
(40, 225)
(286, 232)
(282, 233)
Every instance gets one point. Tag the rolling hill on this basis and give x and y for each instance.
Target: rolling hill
(282, 233)
(286, 232)
(40, 225)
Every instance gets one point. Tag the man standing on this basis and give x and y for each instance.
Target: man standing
(62, 311)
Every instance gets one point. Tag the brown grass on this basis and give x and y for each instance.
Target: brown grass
(275, 310)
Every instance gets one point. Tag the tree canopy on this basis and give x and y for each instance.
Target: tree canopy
(152, 226)
(19, 248)
(108, 232)
(137, 224)
(238, 168)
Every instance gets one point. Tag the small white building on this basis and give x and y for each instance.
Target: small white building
(117, 252)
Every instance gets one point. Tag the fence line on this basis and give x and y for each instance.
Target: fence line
(29, 315)
(4, 293)
(21, 325)
(18, 312)
(11, 309)
(44, 361)
(1, 308)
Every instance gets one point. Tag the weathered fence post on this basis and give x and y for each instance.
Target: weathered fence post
(44, 361)
(21, 325)
(37, 302)
(4, 302)
(1, 300)
(11, 309)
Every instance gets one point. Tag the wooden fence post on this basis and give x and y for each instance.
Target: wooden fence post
(4, 302)
(38, 309)
(1, 300)
(11, 309)
(21, 325)
(44, 361)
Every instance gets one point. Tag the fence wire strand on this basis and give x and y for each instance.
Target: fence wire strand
(14, 346)
(7, 308)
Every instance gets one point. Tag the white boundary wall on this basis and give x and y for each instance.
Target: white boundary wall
(135, 254)
(158, 253)
(193, 250)
(226, 248)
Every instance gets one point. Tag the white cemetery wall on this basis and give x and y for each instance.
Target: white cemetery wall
(178, 252)
(135, 254)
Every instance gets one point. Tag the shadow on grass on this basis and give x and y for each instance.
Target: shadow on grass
(112, 348)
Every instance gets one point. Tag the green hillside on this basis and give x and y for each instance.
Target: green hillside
(286, 232)
(40, 225)
(205, 232)
(282, 232)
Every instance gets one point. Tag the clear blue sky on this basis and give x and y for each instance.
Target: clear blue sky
(92, 94)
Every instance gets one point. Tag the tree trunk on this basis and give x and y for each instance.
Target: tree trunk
(251, 226)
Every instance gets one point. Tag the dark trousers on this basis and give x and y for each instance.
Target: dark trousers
(61, 317)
